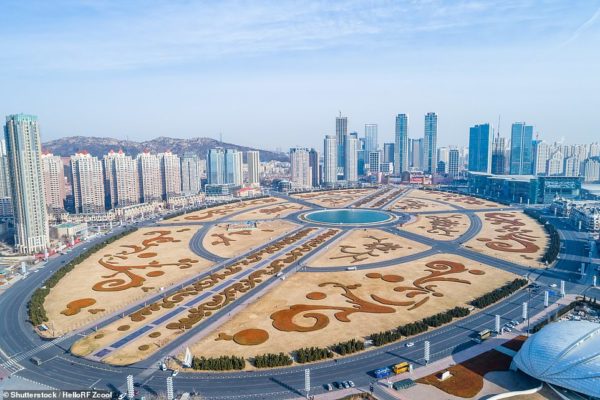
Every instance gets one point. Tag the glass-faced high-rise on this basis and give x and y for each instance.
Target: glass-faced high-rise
(329, 160)
(23, 150)
(371, 143)
(401, 144)
(480, 148)
(216, 166)
(341, 130)
(521, 147)
(430, 143)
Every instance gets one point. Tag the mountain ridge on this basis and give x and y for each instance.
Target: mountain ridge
(99, 146)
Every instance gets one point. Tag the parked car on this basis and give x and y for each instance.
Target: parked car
(351, 384)
(175, 372)
(328, 387)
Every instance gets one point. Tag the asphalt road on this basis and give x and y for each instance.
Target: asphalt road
(62, 370)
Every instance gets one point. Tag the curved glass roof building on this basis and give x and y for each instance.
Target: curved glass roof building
(565, 354)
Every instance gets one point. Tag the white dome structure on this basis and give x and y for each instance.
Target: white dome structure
(565, 354)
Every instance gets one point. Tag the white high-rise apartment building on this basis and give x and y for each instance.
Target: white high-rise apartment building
(591, 170)
(351, 159)
(572, 166)
(54, 182)
(170, 171)
(88, 184)
(443, 154)
(555, 164)
(121, 180)
(253, 158)
(190, 174)
(4, 178)
(430, 143)
(594, 150)
(541, 153)
(149, 173)
(330, 160)
(23, 150)
(300, 171)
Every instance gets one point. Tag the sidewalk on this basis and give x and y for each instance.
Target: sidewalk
(449, 361)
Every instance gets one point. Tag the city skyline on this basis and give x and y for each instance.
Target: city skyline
(317, 58)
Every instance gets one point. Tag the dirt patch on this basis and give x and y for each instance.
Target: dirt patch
(467, 378)
(516, 343)
(439, 226)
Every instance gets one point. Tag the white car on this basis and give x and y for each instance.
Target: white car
(175, 372)
(410, 344)
(553, 285)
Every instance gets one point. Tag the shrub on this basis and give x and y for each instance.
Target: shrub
(223, 363)
(272, 360)
(349, 347)
(309, 354)
(498, 294)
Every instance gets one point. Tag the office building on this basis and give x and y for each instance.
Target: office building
(480, 148)
(499, 156)
(233, 167)
(453, 163)
(315, 168)
(253, 159)
(443, 154)
(401, 144)
(54, 183)
(351, 159)
(374, 162)
(88, 184)
(330, 160)
(216, 166)
(388, 152)
(300, 170)
(190, 174)
(23, 150)
(341, 131)
(121, 180)
(150, 177)
(4, 178)
(371, 143)
(430, 143)
(521, 148)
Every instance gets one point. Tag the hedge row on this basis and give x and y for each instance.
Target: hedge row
(310, 354)
(223, 363)
(498, 294)
(36, 310)
(554, 246)
(349, 347)
(414, 328)
(272, 360)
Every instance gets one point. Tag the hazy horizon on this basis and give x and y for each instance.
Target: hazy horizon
(276, 74)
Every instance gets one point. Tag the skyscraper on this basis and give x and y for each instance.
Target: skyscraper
(341, 131)
(499, 156)
(430, 143)
(233, 167)
(351, 159)
(88, 184)
(253, 158)
(480, 148)
(4, 178)
(190, 173)
(170, 171)
(121, 181)
(521, 149)
(453, 162)
(330, 159)
(216, 166)
(150, 177)
(315, 168)
(371, 143)
(388, 152)
(300, 170)
(374, 162)
(416, 153)
(443, 154)
(54, 182)
(401, 144)
(23, 150)
(572, 166)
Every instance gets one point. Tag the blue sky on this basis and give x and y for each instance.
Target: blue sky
(276, 73)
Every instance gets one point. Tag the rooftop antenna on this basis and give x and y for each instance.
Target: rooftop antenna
(498, 134)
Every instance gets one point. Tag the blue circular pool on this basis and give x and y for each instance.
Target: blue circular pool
(349, 217)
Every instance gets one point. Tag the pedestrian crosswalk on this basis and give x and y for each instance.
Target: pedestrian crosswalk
(10, 367)
(12, 364)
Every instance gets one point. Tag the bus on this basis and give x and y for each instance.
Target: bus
(484, 334)
(401, 367)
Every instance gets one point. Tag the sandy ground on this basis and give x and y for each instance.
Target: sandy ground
(150, 267)
(416, 204)
(439, 226)
(364, 248)
(240, 243)
(211, 214)
(539, 239)
(280, 210)
(294, 291)
(464, 201)
(335, 198)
